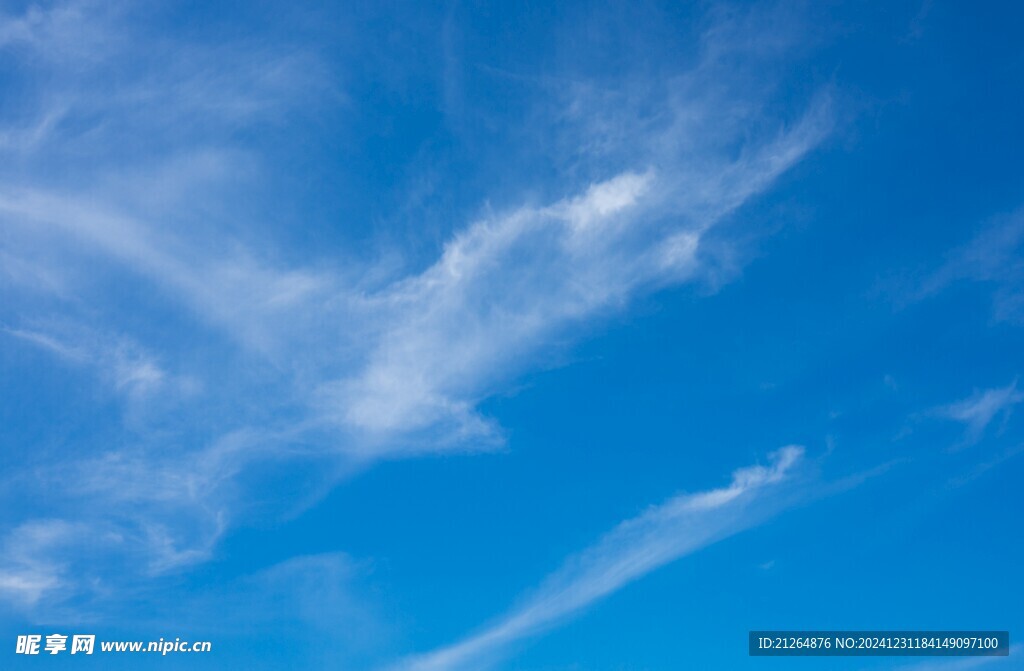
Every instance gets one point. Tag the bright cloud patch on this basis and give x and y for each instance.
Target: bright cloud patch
(663, 533)
(262, 372)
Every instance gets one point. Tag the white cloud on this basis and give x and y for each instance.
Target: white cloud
(69, 32)
(984, 467)
(318, 609)
(29, 566)
(994, 257)
(323, 367)
(510, 284)
(25, 584)
(252, 301)
(124, 364)
(978, 410)
(111, 77)
(678, 527)
(436, 343)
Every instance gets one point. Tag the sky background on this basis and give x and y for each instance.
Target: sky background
(532, 336)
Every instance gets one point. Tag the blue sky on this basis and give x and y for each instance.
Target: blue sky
(480, 336)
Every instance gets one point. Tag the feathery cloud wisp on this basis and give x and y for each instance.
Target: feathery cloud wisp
(678, 527)
(315, 364)
(978, 411)
(994, 257)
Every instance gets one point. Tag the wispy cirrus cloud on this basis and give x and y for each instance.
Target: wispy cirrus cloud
(28, 567)
(321, 600)
(994, 257)
(124, 364)
(978, 410)
(664, 533)
(68, 31)
(111, 76)
(316, 370)
(508, 285)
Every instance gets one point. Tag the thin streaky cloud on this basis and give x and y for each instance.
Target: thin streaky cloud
(270, 272)
(29, 559)
(126, 366)
(507, 285)
(994, 257)
(978, 410)
(168, 90)
(319, 370)
(680, 526)
(984, 467)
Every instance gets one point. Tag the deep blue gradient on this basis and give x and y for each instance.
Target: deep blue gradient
(340, 335)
